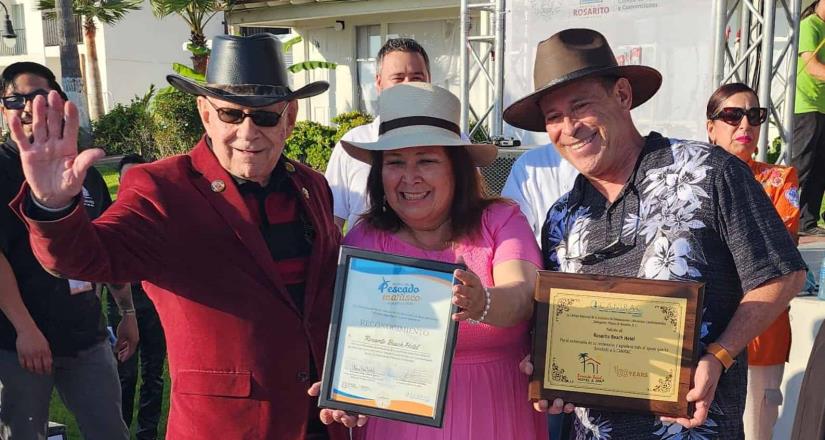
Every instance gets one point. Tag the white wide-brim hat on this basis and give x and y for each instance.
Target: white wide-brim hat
(419, 115)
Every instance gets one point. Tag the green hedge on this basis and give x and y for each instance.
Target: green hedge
(177, 124)
(166, 123)
(311, 143)
(127, 128)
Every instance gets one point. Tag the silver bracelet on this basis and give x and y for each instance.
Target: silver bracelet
(488, 298)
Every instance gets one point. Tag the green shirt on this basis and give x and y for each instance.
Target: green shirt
(810, 92)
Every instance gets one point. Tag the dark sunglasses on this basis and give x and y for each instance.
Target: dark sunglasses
(733, 115)
(18, 101)
(615, 248)
(261, 118)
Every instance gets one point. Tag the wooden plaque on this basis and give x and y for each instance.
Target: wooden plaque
(616, 343)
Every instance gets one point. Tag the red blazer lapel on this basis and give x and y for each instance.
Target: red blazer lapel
(222, 193)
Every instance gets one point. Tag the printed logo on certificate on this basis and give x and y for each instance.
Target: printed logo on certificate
(391, 338)
(616, 343)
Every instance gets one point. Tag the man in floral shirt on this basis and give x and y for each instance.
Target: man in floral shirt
(659, 208)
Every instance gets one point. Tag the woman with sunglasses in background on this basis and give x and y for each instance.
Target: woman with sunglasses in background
(734, 120)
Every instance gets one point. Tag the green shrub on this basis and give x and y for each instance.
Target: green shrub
(480, 136)
(126, 128)
(177, 124)
(349, 120)
(774, 149)
(311, 143)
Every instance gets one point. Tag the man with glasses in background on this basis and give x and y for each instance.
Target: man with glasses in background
(658, 208)
(233, 242)
(52, 332)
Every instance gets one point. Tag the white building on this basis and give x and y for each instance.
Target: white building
(133, 54)
(349, 33)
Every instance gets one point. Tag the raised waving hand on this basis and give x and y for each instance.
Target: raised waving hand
(53, 168)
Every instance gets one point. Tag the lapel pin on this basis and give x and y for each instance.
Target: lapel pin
(289, 167)
(218, 186)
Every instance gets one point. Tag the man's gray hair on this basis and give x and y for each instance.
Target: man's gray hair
(402, 45)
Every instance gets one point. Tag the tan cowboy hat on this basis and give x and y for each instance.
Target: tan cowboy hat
(247, 71)
(419, 115)
(570, 55)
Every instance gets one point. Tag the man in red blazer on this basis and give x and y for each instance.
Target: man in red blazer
(236, 245)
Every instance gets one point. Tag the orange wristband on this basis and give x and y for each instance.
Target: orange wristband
(722, 354)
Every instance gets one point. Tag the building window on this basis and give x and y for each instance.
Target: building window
(17, 22)
(368, 43)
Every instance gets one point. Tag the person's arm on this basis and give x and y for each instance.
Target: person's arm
(33, 350)
(511, 300)
(337, 179)
(770, 269)
(757, 310)
(810, 43)
(126, 243)
(127, 330)
(813, 66)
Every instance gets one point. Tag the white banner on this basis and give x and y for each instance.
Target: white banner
(673, 36)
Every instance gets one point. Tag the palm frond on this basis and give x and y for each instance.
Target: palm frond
(287, 46)
(309, 65)
(105, 11)
(188, 72)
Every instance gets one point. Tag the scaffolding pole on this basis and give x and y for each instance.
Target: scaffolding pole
(757, 63)
(482, 61)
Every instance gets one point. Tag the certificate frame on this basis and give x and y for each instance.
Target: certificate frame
(338, 331)
(549, 283)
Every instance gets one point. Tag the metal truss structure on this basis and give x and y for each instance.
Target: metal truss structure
(757, 56)
(738, 57)
(482, 61)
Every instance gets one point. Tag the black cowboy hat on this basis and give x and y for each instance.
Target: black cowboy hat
(570, 55)
(247, 71)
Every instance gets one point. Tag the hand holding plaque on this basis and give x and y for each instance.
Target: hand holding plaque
(616, 343)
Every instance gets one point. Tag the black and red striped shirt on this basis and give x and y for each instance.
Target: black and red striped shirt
(285, 228)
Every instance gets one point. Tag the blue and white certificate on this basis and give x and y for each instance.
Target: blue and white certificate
(392, 337)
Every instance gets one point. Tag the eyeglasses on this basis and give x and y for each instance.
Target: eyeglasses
(733, 115)
(617, 247)
(18, 101)
(261, 118)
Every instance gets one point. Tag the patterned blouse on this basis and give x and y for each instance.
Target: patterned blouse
(773, 346)
(690, 211)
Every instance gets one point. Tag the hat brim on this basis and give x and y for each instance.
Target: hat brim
(263, 96)
(526, 113)
(416, 136)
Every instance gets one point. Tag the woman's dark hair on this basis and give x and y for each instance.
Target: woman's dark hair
(724, 92)
(810, 10)
(470, 196)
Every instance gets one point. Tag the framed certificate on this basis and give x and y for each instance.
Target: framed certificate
(616, 343)
(391, 337)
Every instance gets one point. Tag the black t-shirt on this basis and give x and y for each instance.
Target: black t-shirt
(69, 322)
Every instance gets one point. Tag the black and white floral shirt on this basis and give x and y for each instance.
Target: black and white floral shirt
(690, 211)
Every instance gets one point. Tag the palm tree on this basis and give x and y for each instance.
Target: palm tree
(107, 12)
(196, 14)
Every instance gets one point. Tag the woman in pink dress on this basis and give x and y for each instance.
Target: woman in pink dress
(427, 201)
